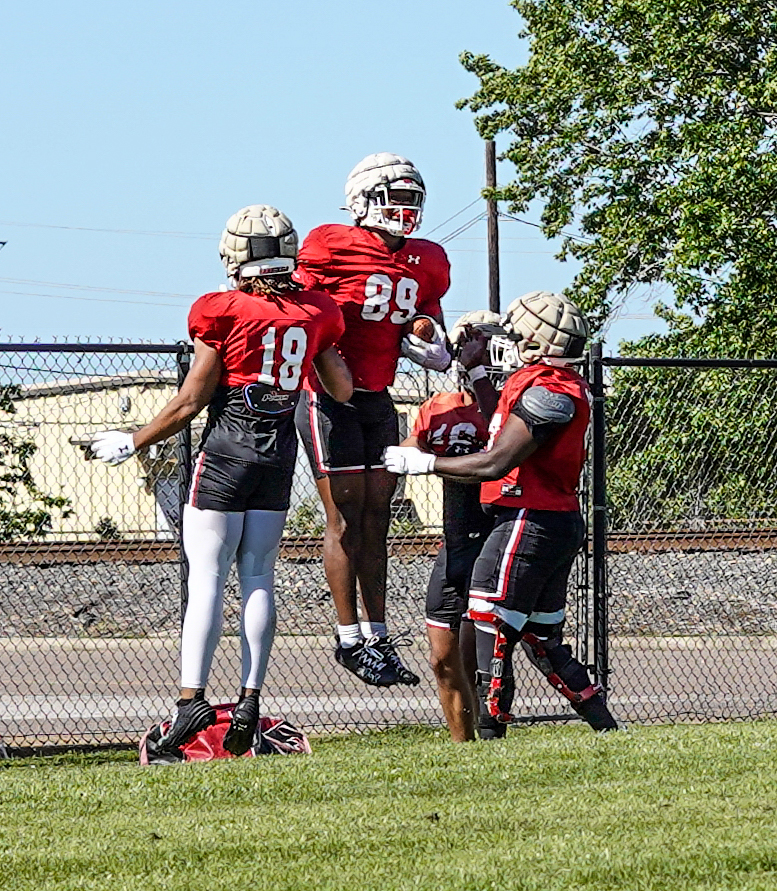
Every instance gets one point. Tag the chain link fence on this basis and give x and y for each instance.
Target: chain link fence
(93, 583)
(672, 604)
(688, 586)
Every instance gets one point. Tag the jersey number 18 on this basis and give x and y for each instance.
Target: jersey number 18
(292, 347)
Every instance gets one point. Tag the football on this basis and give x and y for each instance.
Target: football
(422, 327)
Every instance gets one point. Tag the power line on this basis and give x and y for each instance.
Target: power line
(27, 281)
(463, 228)
(458, 212)
(88, 299)
(507, 216)
(113, 231)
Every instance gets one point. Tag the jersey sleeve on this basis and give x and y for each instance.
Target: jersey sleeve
(314, 260)
(210, 320)
(334, 327)
(440, 281)
(422, 423)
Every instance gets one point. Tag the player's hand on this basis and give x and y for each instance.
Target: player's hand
(113, 446)
(434, 355)
(409, 460)
(473, 350)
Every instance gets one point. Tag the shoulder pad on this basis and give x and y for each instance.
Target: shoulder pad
(544, 406)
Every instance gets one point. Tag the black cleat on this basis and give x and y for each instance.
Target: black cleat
(193, 716)
(368, 663)
(596, 713)
(387, 646)
(241, 733)
(490, 728)
(157, 753)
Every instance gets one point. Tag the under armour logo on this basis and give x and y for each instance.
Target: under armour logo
(412, 259)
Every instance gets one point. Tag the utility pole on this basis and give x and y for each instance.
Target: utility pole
(493, 230)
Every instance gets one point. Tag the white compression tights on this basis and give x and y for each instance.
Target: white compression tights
(212, 540)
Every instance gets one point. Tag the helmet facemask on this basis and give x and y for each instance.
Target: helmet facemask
(501, 358)
(396, 207)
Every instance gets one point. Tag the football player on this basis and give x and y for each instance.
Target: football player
(529, 474)
(381, 279)
(254, 345)
(451, 424)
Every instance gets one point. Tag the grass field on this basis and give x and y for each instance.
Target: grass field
(551, 808)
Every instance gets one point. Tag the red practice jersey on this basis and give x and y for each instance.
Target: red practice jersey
(548, 479)
(267, 345)
(264, 339)
(377, 291)
(448, 427)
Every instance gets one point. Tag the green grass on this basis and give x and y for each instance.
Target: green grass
(551, 808)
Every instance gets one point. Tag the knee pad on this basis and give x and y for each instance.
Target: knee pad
(570, 678)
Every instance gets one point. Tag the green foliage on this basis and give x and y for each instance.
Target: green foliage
(691, 447)
(30, 516)
(648, 126)
(307, 519)
(654, 809)
(108, 529)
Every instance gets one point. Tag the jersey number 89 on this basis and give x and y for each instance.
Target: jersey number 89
(378, 291)
(293, 345)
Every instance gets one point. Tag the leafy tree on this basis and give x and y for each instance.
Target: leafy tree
(649, 127)
(28, 516)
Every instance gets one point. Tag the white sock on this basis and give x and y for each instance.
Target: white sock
(374, 629)
(350, 635)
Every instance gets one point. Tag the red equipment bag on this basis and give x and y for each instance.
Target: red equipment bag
(274, 736)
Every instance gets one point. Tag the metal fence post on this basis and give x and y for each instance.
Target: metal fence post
(184, 456)
(599, 523)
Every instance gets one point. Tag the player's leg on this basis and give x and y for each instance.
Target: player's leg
(210, 541)
(256, 565)
(541, 640)
(469, 658)
(380, 428)
(444, 606)
(343, 498)
(525, 580)
(333, 438)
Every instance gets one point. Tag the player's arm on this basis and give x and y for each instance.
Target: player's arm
(472, 358)
(535, 418)
(115, 446)
(195, 393)
(334, 374)
(514, 445)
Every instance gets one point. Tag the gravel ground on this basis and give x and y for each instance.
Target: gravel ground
(670, 593)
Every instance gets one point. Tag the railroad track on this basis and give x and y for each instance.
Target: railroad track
(308, 547)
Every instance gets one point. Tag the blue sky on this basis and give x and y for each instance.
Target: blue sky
(130, 132)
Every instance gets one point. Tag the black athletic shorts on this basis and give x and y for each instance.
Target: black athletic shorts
(447, 592)
(231, 485)
(466, 529)
(522, 572)
(346, 437)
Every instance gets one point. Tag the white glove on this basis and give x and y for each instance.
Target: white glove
(409, 460)
(113, 446)
(434, 355)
